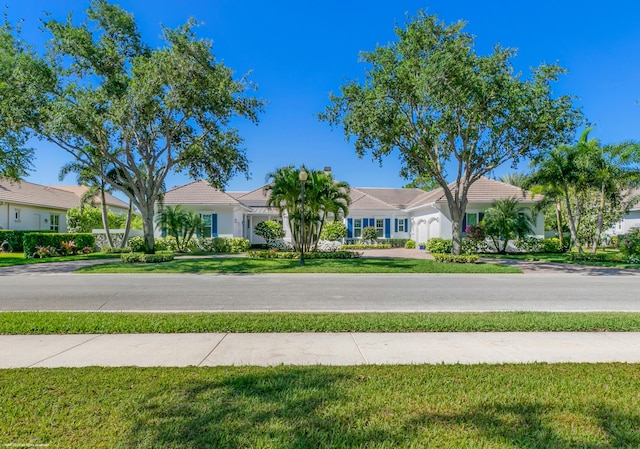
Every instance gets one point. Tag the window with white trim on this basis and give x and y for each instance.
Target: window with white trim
(401, 225)
(380, 227)
(17, 215)
(357, 228)
(54, 222)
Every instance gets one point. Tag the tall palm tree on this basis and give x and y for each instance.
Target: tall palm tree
(324, 197)
(517, 179)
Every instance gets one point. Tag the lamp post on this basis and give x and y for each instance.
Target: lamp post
(302, 176)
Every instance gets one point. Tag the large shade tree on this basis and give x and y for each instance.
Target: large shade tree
(449, 112)
(325, 198)
(146, 111)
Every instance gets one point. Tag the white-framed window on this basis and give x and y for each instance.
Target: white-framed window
(472, 219)
(380, 227)
(54, 222)
(357, 228)
(17, 215)
(401, 225)
(206, 225)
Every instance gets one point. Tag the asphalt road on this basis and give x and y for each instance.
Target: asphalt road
(320, 292)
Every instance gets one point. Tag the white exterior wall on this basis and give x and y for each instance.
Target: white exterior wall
(631, 220)
(30, 218)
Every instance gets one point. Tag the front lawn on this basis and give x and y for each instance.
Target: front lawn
(536, 406)
(610, 258)
(22, 323)
(247, 265)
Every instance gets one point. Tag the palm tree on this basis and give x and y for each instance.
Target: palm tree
(517, 179)
(506, 220)
(180, 224)
(324, 197)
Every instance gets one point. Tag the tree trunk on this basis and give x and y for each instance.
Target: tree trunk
(127, 228)
(572, 224)
(456, 229)
(559, 223)
(147, 211)
(596, 237)
(105, 216)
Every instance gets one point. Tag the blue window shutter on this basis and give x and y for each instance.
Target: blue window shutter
(480, 216)
(395, 226)
(350, 228)
(365, 222)
(387, 228)
(214, 225)
(464, 222)
(406, 225)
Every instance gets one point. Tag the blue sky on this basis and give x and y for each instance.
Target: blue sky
(299, 52)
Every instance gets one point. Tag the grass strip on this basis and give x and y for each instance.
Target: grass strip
(41, 323)
(246, 265)
(11, 259)
(535, 406)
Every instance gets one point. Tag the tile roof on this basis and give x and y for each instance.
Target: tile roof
(256, 198)
(393, 196)
(484, 190)
(198, 192)
(363, 201)
(27, 193)
(80, 190)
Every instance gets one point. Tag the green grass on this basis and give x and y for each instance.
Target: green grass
(247, 265)
(534, 406)
(615, 259)
(22, 323)
(11, 259)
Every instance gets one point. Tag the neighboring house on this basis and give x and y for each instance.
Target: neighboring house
(631, 219)
(33, 207)
(113, 204)
(394, 212)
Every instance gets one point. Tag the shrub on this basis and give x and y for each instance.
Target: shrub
(629, 243)
(552, 245)
(365, 246)
(439, 245)
(280, 245)
(114, 250)
(410, 244)
(50, 240)
(163, 256)
(15, 238)
(136, 244)
(333, 230)
(370, 234)
(397, 243)
(328, 246)
(269, 230)
(449, 258)
(296, 255)
(529, 244)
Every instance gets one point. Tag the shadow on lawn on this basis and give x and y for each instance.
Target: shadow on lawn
(293, 407)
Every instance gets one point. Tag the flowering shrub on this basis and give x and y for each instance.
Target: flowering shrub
(328, 246)
(476, 239)
(41, 252)
(68, 248)
(280, 245)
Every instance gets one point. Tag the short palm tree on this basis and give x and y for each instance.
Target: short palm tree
(180, 224)
(506, 220)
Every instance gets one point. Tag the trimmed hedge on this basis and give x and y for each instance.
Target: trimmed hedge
(450, 258)
(16, 238)
(310, 255)
(32, 240)
(363, 246)
(146, 258)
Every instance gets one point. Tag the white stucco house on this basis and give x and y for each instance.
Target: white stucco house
(395, 212)
(32, 207)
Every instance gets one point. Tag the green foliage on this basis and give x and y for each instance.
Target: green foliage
(136, 244)
(180, 224)
(536, 245)
(87, 218)
(115, 249)
(54, 241)
(324, 197)
(333, 230)
(629, 244)
(396, 243)
(425, 97)
(269, 230)
(310, 255)
(506, 220)
(234, 245)
(16, 238)
(450, 258)
(410, 244)
(365, 246)
(439, 245)
(369, 234)
(160, 256)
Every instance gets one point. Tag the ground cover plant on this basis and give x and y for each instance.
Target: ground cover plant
(425, 406)
(11, 259)
(247, 265)
(604, 258)
(24, 323)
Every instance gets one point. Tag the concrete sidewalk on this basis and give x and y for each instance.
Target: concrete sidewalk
(226, 349)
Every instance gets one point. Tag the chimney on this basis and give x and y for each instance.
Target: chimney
(327, 170)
